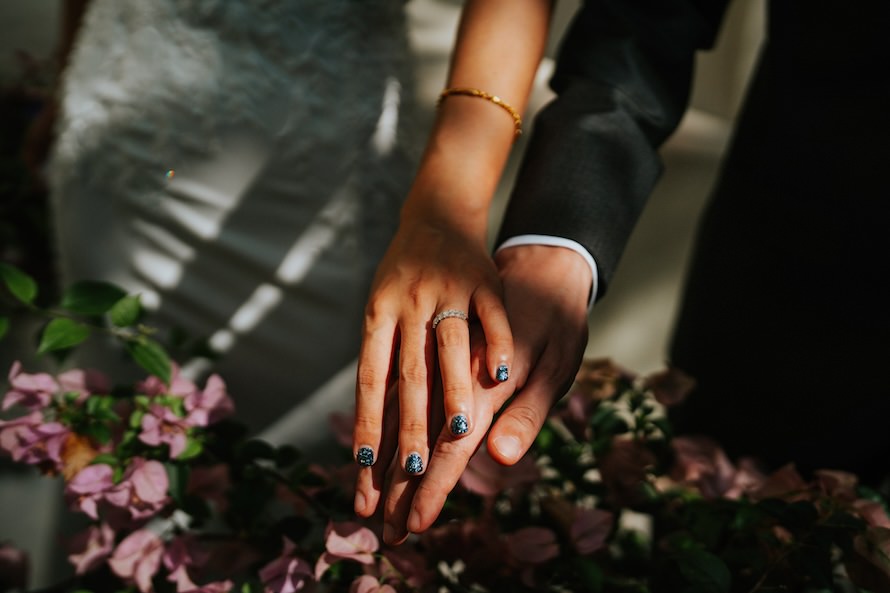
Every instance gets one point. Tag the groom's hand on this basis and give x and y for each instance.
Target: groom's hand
(546, 291)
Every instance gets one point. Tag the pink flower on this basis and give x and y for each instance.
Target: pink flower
(89, 548)
(599, 378)
(34, 392)
(181, 554)
(143, 490)
(88, 487)
(575, 415)
(179, 385)
(184, 557)
(30, 440)
(487, 477)
(405, 565)
(346, 541)
(872, 550)
(368, 584)
(14, 567)
(451, 542)
(837, 484)
(214, 587)
(211, 405)
(784, 483)
(287, 573)
(670, 387)
(703, 464)
(137, 559)
(161, 425)
(872, 512)
(84, 382)
(532, 545)
(590, 529)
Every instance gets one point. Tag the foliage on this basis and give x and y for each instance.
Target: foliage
(180, 499)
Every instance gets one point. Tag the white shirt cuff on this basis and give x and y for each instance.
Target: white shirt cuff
(558, 242)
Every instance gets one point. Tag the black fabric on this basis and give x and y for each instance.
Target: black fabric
(785, 320)
(623, 76)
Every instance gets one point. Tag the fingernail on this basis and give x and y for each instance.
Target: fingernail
(507, 446)
(365, 456)
(414, 464)
(359, 501)
(502, 373)
(459, 425)
(389, 533)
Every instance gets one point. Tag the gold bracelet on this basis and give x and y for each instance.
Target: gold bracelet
(470, 92)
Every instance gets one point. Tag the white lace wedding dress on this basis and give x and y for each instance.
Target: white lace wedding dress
(240, 163)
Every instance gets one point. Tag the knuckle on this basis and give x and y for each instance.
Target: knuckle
(453, 453)
(500, 341)
(429, 496)
(527, 417)
(413, 374)
(455, 389)
(490, 308)
(412, 427)
(366, 425)
(369, 380)
(377, 314)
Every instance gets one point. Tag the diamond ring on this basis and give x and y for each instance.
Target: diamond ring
(448, 313)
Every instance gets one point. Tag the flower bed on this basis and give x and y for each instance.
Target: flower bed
(180, 499)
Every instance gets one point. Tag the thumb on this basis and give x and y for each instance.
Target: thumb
(518, 426)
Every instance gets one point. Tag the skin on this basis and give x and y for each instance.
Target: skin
(438, 259)
(546, 290)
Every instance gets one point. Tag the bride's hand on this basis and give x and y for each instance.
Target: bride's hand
(432, 266)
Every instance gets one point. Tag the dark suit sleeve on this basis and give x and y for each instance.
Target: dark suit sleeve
(622, 81)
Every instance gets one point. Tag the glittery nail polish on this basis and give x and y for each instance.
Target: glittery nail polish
(502, 373)
(365, 456)
(414, 464)
(459, 425)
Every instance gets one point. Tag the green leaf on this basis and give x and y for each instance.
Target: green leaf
(106, 458)
(99, 407)
(22, 286)
(126, 311)
(590, 573)
(136, 419)
(62, 333)
(193, 448)
(178, 475)
(663, 425)
(151, 356)
(704, 571)
(100, 432)
(4, 326)
(91, 298)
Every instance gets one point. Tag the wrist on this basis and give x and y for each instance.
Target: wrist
(559, 269)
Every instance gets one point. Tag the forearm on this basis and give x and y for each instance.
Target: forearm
(622, 79)
(498, 49)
